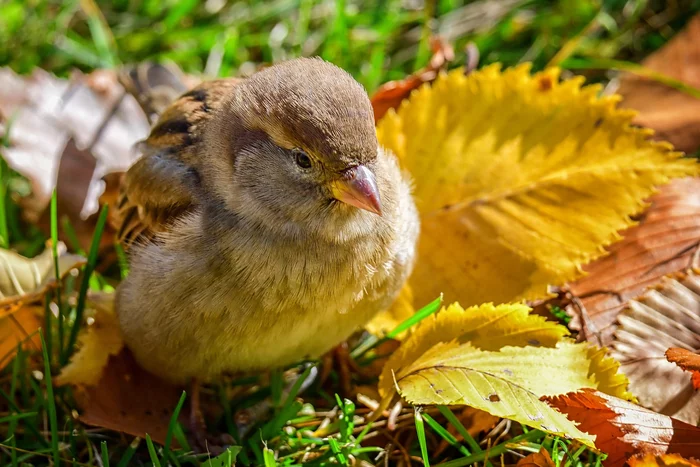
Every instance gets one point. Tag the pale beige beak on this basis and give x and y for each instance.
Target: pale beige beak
(358, 188)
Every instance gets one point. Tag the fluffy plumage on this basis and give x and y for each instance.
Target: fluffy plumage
(242, 259)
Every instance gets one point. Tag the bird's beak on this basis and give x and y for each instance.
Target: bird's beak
(358, 188)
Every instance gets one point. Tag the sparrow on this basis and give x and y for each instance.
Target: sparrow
(264, 222)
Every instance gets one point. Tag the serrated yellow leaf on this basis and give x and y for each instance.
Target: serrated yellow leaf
(507, 383)
(486, 327)
(519, 180)
(96, 344)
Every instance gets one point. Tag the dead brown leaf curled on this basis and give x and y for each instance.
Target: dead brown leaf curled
(665, 241)
(88, 126)
(667, 315)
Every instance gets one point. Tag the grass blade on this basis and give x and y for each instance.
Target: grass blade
(171, 427)
(446, 435)
(269, 458)
(105, 454)
(416, 318)
(152, 451)
(450, 416)
(51, 403)
(129, 453)
(57, 270)
(85, 284)
(420, 429)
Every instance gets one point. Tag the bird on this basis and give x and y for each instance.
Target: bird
(264, 224)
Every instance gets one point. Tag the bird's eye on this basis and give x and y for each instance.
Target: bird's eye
(301, 158)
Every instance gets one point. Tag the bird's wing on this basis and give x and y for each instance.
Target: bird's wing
(160, 186)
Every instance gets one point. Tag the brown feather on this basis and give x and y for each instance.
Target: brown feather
(158, 188)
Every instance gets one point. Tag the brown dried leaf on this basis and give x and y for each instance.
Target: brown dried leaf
(128, 399)
(88, 126)
(667, 315)
(687, 360)
(666, 460)
(537, 459)
(665, 241)
(674, 115)
(391, 94)
(623, 429)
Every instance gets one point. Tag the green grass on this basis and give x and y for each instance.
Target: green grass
(376, 41)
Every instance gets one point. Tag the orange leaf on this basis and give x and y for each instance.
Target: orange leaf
(687, 360)
(391, 94)
(623, 429)
(16, 327)
(537, 459)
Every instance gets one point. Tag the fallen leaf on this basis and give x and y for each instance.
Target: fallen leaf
(391, 94)
(486, 327)
(668, 315)
(27, 279)
(88, 128)
(129, 400)
(665, 241)
(674, 115)
(23, 283)
(623, 428)
(665, 460)
(97, 342)
(500, 161)
(537, 459)
(689, 361)
(19, 326)
(506, 383)
(493, 359)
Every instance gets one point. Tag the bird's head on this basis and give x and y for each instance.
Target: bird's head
(297, 147)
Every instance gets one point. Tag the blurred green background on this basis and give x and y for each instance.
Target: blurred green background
(373, 39)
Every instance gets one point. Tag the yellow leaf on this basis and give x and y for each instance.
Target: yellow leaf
(507, 383)
(101, 339)
(500, 359)
(519, 180)
(486, 327)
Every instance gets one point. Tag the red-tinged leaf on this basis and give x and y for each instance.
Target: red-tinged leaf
(687, 360)
(624, 429)
(391, 94)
